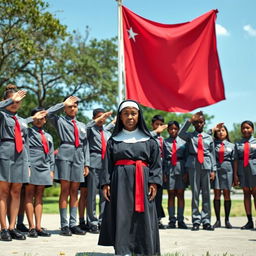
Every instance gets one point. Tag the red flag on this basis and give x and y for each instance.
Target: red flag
(172, 67)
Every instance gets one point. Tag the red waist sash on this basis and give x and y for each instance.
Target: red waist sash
(139, 181)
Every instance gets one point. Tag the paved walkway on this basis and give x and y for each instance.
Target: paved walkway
(185, 242)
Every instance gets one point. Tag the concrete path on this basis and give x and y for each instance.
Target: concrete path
(185, 242)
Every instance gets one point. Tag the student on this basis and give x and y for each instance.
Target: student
(175, 150)
(132, 173)
(14, 161)
(201, 166)
(158, 127)
(71, 162)
(245, 168)
(42, 165)
(224, 151)
(97, 135)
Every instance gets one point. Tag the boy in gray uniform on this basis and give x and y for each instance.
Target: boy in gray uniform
(97, 137)
(72, 160)
(201, 164)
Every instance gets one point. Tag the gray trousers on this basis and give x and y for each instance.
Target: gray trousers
(93, 183)
(200, 181)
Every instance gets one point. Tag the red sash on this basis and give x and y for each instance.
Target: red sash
(139, 181)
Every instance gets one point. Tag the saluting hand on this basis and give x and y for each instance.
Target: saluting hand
(103, 117)
(19, 95)
(152, 191)
(71, 100)
(161, 128)
(196, 116)
(106, 192)
(39, 115)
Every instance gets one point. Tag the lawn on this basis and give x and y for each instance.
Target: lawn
(51, 206)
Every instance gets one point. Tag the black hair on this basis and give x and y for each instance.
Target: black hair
(174, 123)
(247, 122)
(226, 129)
(10, 88)
(157, 118)
(97, 111)
(35, 110)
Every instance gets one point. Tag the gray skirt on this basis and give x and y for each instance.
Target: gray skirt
(70, 171)
(247, 180)
(15, 169)
(40, 177)
(223, 179)
(175, 182)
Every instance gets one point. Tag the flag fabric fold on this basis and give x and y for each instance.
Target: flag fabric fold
(172, 67)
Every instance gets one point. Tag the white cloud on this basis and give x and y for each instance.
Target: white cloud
(250, 30)
(221, 31)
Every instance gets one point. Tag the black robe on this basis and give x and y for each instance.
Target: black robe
(129, 231)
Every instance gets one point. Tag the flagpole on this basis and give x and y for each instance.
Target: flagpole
(120, 52)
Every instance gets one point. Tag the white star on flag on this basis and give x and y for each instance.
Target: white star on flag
(132, 34)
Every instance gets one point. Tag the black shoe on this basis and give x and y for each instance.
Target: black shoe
(22, 228)
(217, 224)
(94, 229)
(182, 225)
(5, 235)
(77, 231)
(227, 224)
(65, 231)
(195, 227)
(171, 225)
(161, 225)
(16, 234)
(83, 226)
(43, 232)
(208, 227)
(248, 225)
(32, 233)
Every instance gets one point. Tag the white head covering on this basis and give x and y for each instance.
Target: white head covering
(128, 103)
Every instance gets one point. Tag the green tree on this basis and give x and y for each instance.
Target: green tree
(25, 26)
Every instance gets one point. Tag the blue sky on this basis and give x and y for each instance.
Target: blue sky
(236, 40)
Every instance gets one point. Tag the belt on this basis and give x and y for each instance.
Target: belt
(34, 147)
(2, 140)
(139, 182)
(70, 143)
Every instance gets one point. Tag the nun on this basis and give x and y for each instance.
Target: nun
(132, 175)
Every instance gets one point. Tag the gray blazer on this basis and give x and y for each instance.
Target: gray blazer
(209, 150)
(7, 124)
(65, 129)
(95, 146)
(181, 146)
(239, 153)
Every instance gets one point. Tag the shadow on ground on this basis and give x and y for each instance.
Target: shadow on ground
(93, 254)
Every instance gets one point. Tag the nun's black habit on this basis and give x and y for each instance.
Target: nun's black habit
(129, 231)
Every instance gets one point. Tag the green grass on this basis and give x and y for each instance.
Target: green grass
(51, 206)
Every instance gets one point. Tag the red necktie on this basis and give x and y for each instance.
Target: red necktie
(161, 145)
(17, 136)
(44, 142)
(103, 144)
(246, 153)
(174, 153)
(221, 153)
(200, 149)
(76, 133)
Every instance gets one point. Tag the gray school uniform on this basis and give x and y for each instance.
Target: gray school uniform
(70, 161)
(94, 176)
(174, 173)
(199, 174)
(41, 163)
(246, 175)
(14, 167)
(224, 175)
